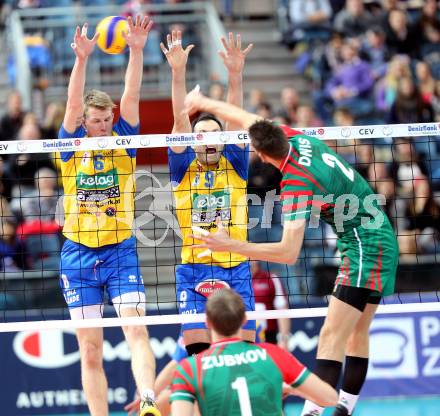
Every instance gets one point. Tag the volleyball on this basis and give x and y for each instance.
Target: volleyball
(110, 31)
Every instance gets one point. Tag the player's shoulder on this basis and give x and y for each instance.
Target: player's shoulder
(287, 130)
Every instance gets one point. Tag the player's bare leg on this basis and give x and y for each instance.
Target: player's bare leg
(358, 342)
(93, 378)
(143, 362)
(356, 362)
(339, 324)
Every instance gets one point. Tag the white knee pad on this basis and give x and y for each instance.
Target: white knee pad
(87, 312)
(131, 300)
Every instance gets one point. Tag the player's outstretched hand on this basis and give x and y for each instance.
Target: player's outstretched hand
(82, 45)
(138, 31)
(218, 241)
(193, 101)
(177, 57)
(233, 57)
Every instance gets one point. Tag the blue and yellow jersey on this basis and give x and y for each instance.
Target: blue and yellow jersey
(203, 195)
(99, 189)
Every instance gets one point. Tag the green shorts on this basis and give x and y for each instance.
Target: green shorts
(369, 258)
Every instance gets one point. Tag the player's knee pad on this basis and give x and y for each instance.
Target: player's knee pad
(197, 348)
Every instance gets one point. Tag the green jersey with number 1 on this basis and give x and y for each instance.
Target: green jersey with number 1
(235, 378)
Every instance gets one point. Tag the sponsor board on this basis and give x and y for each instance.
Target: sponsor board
(43, 369)
(405, 352)
(43, 372)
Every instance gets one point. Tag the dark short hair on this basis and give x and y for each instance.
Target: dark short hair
(225, 311)
(206, 116)
(268, 138)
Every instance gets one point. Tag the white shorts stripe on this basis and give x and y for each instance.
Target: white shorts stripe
(360, 258)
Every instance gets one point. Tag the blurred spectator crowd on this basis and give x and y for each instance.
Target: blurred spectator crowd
(29, 192)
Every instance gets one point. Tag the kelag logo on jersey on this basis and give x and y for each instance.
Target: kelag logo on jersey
(215, 200)
(207, 207)
(97, 187)
(97, 181)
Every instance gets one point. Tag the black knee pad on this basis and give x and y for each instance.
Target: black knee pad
(196, 348)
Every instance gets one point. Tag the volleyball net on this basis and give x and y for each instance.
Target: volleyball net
(401, 162)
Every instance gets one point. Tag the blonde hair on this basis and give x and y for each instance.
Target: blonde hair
(97, 99)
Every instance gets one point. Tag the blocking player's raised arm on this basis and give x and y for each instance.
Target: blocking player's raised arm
(83, 48)
(177, 58)
(234, 59)
(136, 37)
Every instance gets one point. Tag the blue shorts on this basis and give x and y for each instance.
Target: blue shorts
(86, 271)
(195, 282)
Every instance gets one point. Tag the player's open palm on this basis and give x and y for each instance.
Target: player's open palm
(138, 31)
(176, 55)
(82, 45)
(233, 57)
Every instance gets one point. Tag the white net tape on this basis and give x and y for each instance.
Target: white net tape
(190, 139)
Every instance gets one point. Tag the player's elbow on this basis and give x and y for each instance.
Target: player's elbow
(290, 258)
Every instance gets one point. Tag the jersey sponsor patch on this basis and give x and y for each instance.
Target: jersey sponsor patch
(97, 187)
(207, 207)
(208, 287)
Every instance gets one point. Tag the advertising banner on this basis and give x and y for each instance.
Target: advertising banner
(41, 371)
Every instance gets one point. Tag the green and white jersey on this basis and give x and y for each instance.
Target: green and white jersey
(235, 378)
(318, 182)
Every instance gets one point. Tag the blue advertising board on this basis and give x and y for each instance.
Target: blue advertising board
(41, 373)
(405, 355)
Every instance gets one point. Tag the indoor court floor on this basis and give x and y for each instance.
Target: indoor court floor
(429, 406)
